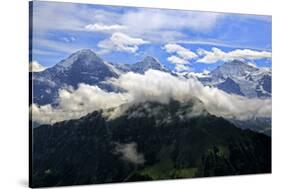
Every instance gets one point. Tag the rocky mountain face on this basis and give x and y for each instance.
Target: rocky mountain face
(237, 77)
(86, 67)
(147, 63)
(230, 86)
(234, 68)
(141, 145)
(81, 67)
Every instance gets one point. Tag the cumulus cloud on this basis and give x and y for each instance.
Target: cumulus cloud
(98, 27)
(181, 57)
(182, 68)
(163, 86)
(203, 74)
(129, 153)
(122, 42)
(76, 103)
(152, 86)
(176, 60)
(180, 51)
(215, 55)
(35, 66)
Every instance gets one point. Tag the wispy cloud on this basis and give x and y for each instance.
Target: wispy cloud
(161, 19)
(160, 27)
(129, 153)
(55, 45)
(44, 52)
(105, 28)
(221, 43)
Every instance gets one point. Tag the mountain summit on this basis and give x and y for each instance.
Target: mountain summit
(241, 78)
(82, 57)
(147, 63)
(149, 60)
(83, 66)
(233, 68)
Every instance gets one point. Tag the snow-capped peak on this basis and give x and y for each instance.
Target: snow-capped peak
(35, 66)
(234, 68)
(85, 56)
(150, 59)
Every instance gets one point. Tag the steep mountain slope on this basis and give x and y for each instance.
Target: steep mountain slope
(264, 86)
(230, 86)
(83, 66)
(241, 78)
(234, 68)
(149, 141)
(147, 63)
(261, 125)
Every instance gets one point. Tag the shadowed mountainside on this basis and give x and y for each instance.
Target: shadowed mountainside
(160, 142)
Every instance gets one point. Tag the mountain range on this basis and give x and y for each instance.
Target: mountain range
(83, 66)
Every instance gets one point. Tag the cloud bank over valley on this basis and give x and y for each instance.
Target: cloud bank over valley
(154, 86)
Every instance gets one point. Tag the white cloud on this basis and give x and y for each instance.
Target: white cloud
(182, 68)
(252, 64)
(34, 66)
(181, 57)
(57, 16)
(71, 16)
(164, 26)
(163, 19)
(195, 75)
(122, 42)
(48, 16)
(66, 17)
(163, 86)
(176, 60)
(129, 153)
(68, 39)
(215, 55)
(154, 25)
(152, 86)
(219, 43)
(182, 52)
(76, 103)
(54, 45)
(105, 28)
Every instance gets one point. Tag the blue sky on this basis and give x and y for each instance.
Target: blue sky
(181, 40)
